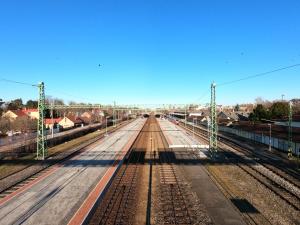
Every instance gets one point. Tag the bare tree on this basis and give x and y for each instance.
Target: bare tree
(5, 125)
(24, 124)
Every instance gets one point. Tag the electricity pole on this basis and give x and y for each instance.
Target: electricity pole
(290, 150)
(213, 142)
(41, 150)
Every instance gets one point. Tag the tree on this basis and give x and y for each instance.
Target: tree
(58, 101)
(237, 107)
(32, 104)
(259, 113)
(73, 103)
(55, 101)
(1, 109)
(252, 117)
(24, 124)
(279, 110)
(259, 101)
(15, 104)
(5, 125)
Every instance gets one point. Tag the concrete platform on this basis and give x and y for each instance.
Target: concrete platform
(176, 136)
(218, 207)
(57, 196)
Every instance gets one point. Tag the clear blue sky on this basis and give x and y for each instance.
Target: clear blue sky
(150, 51)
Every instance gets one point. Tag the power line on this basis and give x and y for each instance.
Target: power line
(247, 78)
(203, 95)
(258, 75)
(35, 85)
(70, 95)
(17, 82)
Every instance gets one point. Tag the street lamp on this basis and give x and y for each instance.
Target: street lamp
(114, 114)
(270, 136)
(185, 116)
(194, 127)
(106, 126)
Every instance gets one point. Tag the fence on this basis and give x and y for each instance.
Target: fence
(277, 143)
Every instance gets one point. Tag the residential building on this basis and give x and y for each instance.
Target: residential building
(49, 122)
(70, 121)
(14, 114)
(32, 113)
(228, 116)
(88, 115)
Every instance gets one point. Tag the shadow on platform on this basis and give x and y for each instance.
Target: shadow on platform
(244, 206)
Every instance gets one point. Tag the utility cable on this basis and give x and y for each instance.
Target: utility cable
(17, 82)
(258, 75)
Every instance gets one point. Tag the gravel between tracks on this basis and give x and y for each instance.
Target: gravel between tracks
(267, 207)
(174, 201)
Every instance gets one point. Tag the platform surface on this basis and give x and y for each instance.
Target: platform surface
(177, 136)
(57, 197)
(219, 208)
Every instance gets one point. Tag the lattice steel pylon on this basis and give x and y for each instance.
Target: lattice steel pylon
(213, 128)
(41, 150)
(290, 140)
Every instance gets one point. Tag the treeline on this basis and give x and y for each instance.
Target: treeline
(30, 104)
(273, 111)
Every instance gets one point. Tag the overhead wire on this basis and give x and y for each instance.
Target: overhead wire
(69, 95)
(35, 85)
(197, 100)
(258, 75)
(247, 78)
(18, 82)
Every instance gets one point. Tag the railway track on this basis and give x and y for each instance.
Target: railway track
(277, 182)
(33, 171)
(275, 166)
(115, 206)
(173, 195)
(168, 200)
(266, 158)
(118, 203)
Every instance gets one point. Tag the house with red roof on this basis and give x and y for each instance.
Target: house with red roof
(14, 114)
(50, 123)
(70, 121)
(32, 113)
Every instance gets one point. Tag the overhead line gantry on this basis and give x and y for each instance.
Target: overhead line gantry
(41, 151)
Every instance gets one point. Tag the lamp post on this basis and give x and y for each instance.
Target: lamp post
(114, 114)
(194, 127)
(106, 126)
(185, 116)
(270, 136)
